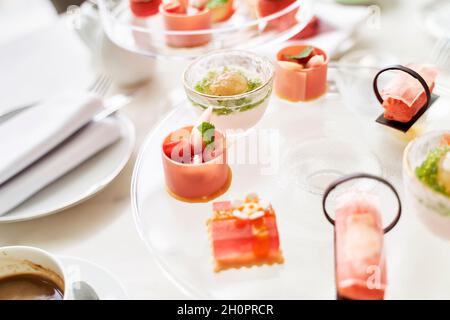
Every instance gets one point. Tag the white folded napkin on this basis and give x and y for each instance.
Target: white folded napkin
(41, 62)
(34, 132)
(71, 153)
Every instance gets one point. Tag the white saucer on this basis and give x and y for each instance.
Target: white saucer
(105, 284)
(81, 183)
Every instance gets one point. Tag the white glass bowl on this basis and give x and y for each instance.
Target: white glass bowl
(238, 112)
(432, 207)
(242, 31)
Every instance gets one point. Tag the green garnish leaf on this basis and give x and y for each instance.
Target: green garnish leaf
(207, 131)
(302, 55)
(215, 3)
(253, 84)
(203, 85)
(427, 172)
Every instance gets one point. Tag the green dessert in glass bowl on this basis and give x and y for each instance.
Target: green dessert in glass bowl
(236, 84)
(435, 170)
(426, 175)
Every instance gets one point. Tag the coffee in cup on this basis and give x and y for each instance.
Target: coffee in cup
(30, 274)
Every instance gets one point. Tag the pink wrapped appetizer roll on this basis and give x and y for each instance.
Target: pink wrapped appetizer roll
(360, 264)
(359, 239)
(408, 92)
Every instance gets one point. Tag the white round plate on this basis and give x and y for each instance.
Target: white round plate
(104, 283)
(81, 183)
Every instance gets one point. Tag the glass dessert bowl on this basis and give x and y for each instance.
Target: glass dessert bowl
(426, 175)
(236, 84)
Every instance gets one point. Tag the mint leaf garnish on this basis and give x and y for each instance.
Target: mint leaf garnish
(215, 3)
(207, 131)
(302, 55)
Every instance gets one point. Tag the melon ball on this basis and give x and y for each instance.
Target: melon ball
(228, 83)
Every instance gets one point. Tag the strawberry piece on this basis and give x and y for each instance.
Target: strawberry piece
(174, 7)
(180, 151)
(176, 145)
(144, 8)
(168, 148)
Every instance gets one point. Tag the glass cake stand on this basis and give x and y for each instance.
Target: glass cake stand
(148, 36)
(311, 144)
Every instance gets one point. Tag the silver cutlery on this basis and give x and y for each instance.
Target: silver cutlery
(100, 86)
(113, 104)
(81, 290)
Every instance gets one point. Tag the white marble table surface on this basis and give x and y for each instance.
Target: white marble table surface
(102, 229)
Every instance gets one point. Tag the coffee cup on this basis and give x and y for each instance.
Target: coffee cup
(28, 273)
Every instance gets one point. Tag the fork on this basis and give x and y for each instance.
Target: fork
(100, 87)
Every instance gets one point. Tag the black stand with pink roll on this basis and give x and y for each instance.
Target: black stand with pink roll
(359, 240)
(430, 98)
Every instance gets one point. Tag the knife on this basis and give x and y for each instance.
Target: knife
(114, 104)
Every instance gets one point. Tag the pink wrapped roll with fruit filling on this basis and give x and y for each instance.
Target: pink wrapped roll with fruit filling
(360, 263)
(301, 73)
(404, 96)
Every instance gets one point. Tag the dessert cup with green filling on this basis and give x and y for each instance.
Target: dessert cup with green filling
(236, 84)
(425, 193)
